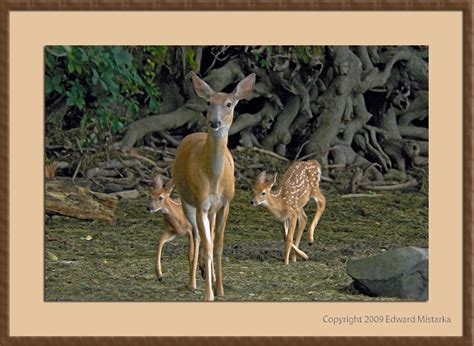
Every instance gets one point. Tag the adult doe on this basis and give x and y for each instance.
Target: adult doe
(204, 174)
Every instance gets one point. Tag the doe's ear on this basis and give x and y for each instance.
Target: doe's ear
(262, 177)
(158, 182)
(244, 88)
(203, 90)
(170, 186)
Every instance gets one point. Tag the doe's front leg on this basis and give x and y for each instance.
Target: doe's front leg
(219, 246)
(207, 252)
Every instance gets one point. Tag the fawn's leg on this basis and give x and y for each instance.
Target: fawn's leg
(289, 236)
(321, 205)
(302, 221)
(165, 237)
(300, 253)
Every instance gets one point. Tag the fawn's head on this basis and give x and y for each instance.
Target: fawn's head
(220, 111)
(160, 194)
(261, 189)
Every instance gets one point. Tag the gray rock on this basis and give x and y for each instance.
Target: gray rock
(400, 273)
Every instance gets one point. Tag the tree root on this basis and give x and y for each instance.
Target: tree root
(155, 123)
(375, 186)
(266, 152)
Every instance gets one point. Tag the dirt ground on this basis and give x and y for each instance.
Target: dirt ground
(95, 261)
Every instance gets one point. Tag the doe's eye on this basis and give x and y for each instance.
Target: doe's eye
(264, 193)
(228, 104)
(160, 198)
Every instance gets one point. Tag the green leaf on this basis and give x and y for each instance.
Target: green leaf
(56, 80)
(80, 103)
(47, 85)
(70, 101)
(122, 57)
(95, 76)
(153, 104)
(84, 57)
(85, 120)
(59, 89)
(104, 84)
(51, 256)
(264, 64)
(117, 125)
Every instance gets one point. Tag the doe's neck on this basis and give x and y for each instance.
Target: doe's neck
(214, 152)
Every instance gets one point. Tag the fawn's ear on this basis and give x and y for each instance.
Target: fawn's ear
(262, 177)
(170, 186)
(273, 179)
(158, 182)
(203, 90)
(244, 88)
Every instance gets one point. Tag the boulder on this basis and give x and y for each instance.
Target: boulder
(401, 272)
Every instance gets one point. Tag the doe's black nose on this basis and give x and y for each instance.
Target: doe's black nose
(252, 202)
(215, 124)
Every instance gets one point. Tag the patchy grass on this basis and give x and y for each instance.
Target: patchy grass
(95, 261)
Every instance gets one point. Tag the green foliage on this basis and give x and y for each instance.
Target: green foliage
(190, 56)
(262, 56)
(98, 80)
(107, 87)
(305, 53)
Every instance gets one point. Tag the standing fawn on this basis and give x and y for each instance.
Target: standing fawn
(299, 183)
(204, 174)
(176, 223)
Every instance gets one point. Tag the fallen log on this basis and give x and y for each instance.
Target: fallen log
(64, 198)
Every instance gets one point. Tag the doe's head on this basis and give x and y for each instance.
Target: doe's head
(220, 111)
(160, 194)
(262, 187)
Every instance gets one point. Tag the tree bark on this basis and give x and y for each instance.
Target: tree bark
(281, 128)
(333, 102)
